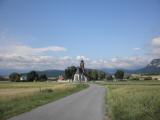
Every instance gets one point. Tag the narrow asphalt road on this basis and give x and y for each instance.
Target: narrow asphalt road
(87, 104)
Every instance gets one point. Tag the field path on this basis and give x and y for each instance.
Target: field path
(87, 104)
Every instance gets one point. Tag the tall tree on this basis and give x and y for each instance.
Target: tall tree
(69, 72)
(32, 76)
(94, 74)
(101, 75)
(43, 77)
(119, 74)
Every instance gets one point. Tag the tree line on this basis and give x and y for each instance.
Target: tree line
(31, 76)
(93, 74)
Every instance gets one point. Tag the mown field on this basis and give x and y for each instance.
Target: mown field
(16, 98)
(139, 100)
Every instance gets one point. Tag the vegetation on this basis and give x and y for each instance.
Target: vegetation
(16, 98)
(109, 77)
(3, 79)
(14, 77)
(43, 77)
(133, 100)
(92, 74)
(119, 74)
(69, 72)
(32, 76)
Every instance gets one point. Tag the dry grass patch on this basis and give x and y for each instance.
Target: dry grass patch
(17, 98)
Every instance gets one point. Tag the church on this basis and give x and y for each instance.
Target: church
(80, 75)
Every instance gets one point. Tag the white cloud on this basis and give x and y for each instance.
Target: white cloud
(20, 56)
(82, 58)
(154, 47)
(156, 42)
(117, 62)
(49, 62)
(27, 50)
(137, 48)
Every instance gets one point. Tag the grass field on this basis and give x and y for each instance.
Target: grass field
(16, 98)
(139, 100)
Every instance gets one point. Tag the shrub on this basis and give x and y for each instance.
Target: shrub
(148, 78)
(135, 78)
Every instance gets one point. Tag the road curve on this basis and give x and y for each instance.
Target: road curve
(87, 104)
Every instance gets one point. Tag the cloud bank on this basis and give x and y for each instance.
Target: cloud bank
(20, 56)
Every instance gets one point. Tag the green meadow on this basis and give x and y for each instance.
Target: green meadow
(138, 100)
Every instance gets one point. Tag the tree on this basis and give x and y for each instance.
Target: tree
(69, 72)
(119, 74)
(94, 74)
(89, 74)
(14, 77)
(101, 75)
(43, 77)
(33, 75)
(109, 77)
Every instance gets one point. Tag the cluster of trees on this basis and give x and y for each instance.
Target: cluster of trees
(3, 78)
(96, 74)
(31, 76)
(90, 73)
(118, 75)
(93, 74)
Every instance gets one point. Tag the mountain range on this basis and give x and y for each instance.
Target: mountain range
(152, 68)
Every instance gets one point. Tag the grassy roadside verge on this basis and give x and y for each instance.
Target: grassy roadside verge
(20, 104)
(133, 101)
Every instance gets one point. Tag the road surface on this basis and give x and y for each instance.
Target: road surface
(87, 104)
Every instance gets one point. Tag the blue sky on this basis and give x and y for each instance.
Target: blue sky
(94, 30)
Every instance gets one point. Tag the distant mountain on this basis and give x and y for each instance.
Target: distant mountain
(51, 73)
(6, 72)
(152, 68)
(108, 70)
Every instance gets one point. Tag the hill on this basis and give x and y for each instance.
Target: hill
(51, 73)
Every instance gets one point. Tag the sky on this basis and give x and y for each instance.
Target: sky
(54, 34)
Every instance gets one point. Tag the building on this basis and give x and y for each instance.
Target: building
(80, 75)
(23, 78)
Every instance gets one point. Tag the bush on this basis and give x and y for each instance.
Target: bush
(135, 78)
(148, 78)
